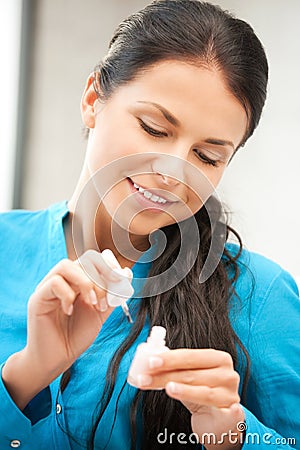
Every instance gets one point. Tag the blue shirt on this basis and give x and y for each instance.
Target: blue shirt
(268, 324)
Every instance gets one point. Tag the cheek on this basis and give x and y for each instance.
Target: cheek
(198, 195)
(109, 145)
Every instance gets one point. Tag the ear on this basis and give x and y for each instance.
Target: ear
(88, 103)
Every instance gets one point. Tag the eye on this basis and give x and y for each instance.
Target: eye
(152, 131)
(205, 159)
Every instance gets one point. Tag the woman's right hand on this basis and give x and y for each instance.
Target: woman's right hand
(65, 315)
(67, 310)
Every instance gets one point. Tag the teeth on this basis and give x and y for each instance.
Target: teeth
(138, 188)
(147, 194)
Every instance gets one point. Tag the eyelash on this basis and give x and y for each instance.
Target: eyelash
(160, 134)
(206, 160)
(152, 131)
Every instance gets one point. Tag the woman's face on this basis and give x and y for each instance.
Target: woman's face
(173, 109)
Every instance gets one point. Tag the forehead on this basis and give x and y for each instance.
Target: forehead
(197, 96)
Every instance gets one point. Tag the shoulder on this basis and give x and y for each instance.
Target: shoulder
(258, 270)
(31, 242)
(17, 220)
(21, 232)
(17, 223)
(24, 233)
(262, 268)
(263, 288)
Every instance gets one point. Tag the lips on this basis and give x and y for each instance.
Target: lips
(147, 204)
(163, 199)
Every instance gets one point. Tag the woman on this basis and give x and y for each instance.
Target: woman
(180, 91)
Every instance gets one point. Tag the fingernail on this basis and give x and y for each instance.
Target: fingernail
(155, 361)
(173, 388)
(144, 380)
(102, 304)
(70, 310)
(93, 297)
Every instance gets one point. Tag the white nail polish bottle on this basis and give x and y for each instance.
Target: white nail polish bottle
(155, 344)
(118, 292)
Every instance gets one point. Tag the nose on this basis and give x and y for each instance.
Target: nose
(170, 169)
(168, 181)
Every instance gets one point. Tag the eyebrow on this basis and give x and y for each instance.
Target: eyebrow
(218, 142)
(170, 118)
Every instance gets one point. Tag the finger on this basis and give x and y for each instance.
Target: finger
(90, 270)
(53, 289)
(74, 276)
(203, 377)
(95, 264)
(102, 275)
(101, 305)
(101, 286)
(183, 358)
(202, 395)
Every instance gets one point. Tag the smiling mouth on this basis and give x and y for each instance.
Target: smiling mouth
(151, 196)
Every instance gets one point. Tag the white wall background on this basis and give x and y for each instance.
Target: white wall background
(10, 35)
(261, 185)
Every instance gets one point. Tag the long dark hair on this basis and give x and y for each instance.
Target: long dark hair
(195, 315)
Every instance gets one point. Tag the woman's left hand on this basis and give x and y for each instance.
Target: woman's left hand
(205, 381)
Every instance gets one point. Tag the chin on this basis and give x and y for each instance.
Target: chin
(152, 223)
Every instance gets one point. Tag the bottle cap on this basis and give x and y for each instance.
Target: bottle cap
(157, 336)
